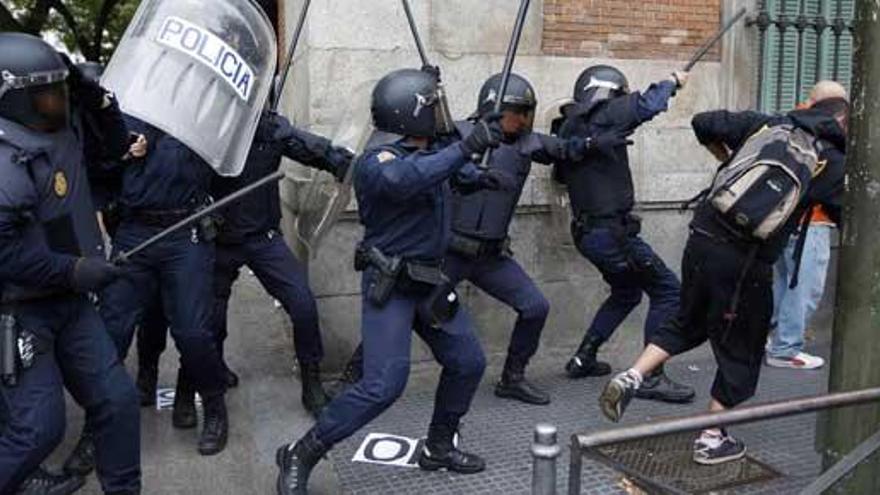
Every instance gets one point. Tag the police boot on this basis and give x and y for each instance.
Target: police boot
(147, 379)
(513, 385)
(295, 463)
(81, 461)
(42, 482)
(584, 363)
(183, 415)
(216, 428)
(314, 399)
(658, 386)
(440, 452)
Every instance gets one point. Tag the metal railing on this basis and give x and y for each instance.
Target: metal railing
(588, 444)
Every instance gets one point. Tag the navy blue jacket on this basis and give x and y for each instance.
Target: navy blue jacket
(403, 198)
(260, 211)
(601, 185)
(170, 177)
(47, 219)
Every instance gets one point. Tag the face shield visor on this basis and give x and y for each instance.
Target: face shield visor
(38, 101)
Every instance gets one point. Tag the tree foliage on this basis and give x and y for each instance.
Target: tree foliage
(89, 27)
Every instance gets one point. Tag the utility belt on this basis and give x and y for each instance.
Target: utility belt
(438, 300)
(18, 349)
(474, 248)
(624, 225)
(229, 238)
(206, 228)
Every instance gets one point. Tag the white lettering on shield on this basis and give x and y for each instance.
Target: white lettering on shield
(210, 50)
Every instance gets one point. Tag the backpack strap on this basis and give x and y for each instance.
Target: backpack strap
(799, 246)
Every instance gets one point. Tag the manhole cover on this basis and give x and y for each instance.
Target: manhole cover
(664, 465)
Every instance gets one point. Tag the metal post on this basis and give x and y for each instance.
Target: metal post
(575, 467)
(855, 345)
(544, 453)
(782, 27)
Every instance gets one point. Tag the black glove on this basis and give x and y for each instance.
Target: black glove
(496, 180)
(607, 141)
(93, 274)
(340, 160)
(83, 90)
(487, 134)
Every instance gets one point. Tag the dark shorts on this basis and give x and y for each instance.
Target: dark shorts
(711, 271)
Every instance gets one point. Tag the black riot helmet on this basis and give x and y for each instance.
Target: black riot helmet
(518, 97)
(33, 91)
(406, 102)
(598, 83)
(91, 70)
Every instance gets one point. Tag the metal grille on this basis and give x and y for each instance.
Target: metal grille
(664, 465)
(801, 42)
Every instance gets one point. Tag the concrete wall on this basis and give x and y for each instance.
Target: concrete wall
(349, 44)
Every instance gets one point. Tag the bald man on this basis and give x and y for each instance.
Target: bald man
(793, 307)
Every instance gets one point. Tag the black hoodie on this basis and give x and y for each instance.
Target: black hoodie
(734, 128)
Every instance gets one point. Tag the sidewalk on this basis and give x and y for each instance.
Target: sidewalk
(265, 411)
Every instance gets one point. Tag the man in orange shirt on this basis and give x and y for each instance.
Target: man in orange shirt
(793, 307)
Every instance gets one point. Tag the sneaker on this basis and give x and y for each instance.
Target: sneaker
(711, 448)
(658, 386)
(802, 361)
(617, 394)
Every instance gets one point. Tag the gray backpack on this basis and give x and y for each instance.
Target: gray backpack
(761, 186)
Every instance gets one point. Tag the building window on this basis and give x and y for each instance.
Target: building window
(801, 42)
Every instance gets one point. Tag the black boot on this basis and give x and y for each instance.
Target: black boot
(42, 482)
(513, 385)
(147, 378)
(184, 414)
(584, 362)
(440, 452)
(295, 464)
(314, 399)
(658, 386)
(81, 461)
(352, 374)
(215, 431)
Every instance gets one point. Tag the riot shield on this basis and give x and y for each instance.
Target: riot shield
(200, 71)
(320, 198)
(554, 188)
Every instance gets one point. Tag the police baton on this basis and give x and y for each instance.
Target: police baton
(508, 67)
(447, 126)
(124, 257)
(703, 50)
(294, 41)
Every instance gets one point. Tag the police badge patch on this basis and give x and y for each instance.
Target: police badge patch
(60, 184)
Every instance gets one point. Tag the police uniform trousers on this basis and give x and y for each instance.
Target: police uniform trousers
(73, 351)
(386, 333)
(631, 267)
(712, 270)
(503, 278)
(151, 333)
(283, 277)
(180, 269)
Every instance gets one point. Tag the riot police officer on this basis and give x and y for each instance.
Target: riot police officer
(169, 184)
(479, 246)
(403, 196)
(604, 229)
(51, 257)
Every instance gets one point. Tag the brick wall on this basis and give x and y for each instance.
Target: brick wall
(629, 29)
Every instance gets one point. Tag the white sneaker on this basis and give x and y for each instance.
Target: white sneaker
(802, 361)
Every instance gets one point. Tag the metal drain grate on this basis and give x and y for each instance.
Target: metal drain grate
(664, 464)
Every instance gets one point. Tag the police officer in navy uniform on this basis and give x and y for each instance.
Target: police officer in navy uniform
(51, 258)
(403, 193)
(604, 229)
(169, 184)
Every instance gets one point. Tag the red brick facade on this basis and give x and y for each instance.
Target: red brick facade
(630, 29)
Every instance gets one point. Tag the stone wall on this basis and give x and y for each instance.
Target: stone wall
(349, 44)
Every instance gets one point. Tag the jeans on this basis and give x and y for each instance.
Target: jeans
(793, 308)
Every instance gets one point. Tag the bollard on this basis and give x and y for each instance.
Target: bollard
(544, 454)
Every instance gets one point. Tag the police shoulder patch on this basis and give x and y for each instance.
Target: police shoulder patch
(60, 184)
(385, 156)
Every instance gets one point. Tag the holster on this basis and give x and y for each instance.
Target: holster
(18, 349)
(385, 277)
(473, 248)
